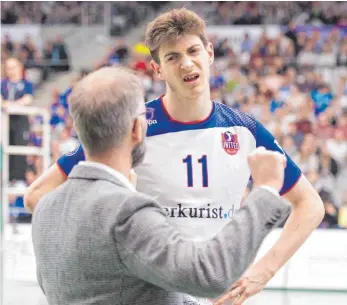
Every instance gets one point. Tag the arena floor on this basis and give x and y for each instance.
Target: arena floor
(17, 293)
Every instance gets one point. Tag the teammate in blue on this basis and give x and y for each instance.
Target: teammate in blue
(196, 161)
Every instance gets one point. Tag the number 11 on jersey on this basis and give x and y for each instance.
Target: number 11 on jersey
(189, 161)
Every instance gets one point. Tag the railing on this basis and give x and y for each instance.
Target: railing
(43, 151)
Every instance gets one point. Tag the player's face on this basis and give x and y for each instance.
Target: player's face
(185, 65)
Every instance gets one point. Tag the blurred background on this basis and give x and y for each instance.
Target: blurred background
(283, 62)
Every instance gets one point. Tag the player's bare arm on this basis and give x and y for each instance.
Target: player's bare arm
(307, 214)
(46, 183)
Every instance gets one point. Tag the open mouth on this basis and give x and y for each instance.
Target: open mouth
(191, 78)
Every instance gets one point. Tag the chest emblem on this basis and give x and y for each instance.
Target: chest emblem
(230, 143)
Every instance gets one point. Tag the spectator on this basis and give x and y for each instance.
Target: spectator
(28, 47)
(16, 90)
(296, 99)
(291, 34)
(58, 116)
(341, 59)
(223, 49)
(121, 50)
(304, 121)
(289, 146)
(322, 98)
(324, 129)
(337, 147)
(35, 135)
(305, 159)
(8, 44)
(327, 162)
(325, 177)
(247, 44)
(18, 212)
(342, 124)
(60, 58)
(331, 212)
(327, 56)
(273, 80)
(296, 134)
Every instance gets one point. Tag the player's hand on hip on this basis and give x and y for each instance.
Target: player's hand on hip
(251, 283)
(267, 167)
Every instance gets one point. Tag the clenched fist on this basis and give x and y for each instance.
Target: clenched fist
(267, 167)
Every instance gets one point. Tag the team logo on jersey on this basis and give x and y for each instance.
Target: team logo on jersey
(150, 116)
(230, 143)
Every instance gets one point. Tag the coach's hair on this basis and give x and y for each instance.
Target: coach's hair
(172, 25)
(103, 105)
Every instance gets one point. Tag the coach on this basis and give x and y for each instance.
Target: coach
(98, 241)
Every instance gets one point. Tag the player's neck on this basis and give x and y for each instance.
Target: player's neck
(188, 110)
(115, 159)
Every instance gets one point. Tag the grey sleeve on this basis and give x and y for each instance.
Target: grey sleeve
(156, 252)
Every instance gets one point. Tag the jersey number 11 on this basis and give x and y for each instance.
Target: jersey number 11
(203, 161)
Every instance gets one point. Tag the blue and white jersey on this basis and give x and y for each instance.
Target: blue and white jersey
(198, 171)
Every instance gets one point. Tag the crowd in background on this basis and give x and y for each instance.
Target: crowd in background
(294, 83)
(39, 64)
(121, 15)
(271, 12)
(48, 12)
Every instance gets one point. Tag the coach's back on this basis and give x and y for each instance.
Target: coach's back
(81, 264)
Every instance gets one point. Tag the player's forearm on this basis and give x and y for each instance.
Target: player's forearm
(304, 219)
(46, 183)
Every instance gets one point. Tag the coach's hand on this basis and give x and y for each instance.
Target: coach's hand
(267, 167)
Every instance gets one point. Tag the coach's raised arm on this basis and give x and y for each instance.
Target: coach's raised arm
(98, 241)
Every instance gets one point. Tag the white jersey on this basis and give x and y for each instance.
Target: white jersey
(198, 171)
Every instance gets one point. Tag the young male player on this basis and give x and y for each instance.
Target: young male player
(197, 152)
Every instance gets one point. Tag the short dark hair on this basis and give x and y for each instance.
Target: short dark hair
(170, 26)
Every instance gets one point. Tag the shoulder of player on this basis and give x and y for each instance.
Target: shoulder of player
(153, 103)
(235, 117)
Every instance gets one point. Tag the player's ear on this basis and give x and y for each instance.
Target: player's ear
(210, 52)
(157, 70)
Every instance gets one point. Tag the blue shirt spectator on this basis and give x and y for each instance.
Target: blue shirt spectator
(15, 88)
(322, 99)
(12, 91)
(246, 45)
(59, 116)
(64, 98)
(217, 81)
